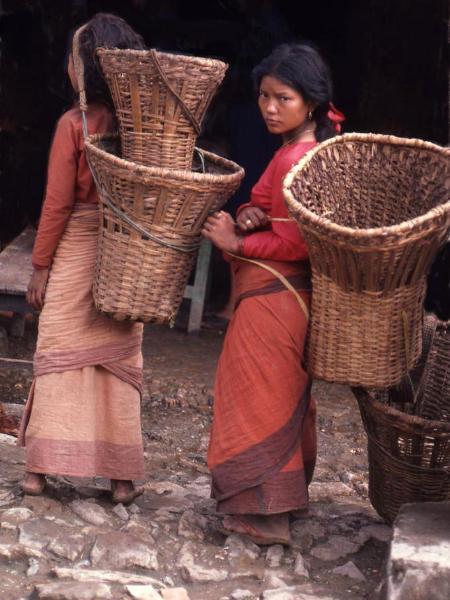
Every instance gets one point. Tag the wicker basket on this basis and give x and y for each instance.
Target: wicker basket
(433, 394)
(160, 100)
(151, 222)
(409, 457)
(374, 211)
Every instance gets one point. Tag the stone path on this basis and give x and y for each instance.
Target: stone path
(73, 544)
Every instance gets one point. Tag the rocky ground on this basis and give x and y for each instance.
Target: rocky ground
(72, 544)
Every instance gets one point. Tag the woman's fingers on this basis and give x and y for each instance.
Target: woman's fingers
(31, 298)
(41, 296)
(252, 218)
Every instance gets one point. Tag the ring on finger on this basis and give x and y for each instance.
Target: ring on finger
(248, 222)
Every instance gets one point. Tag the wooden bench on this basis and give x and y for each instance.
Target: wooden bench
(15, 272)
(16, 269)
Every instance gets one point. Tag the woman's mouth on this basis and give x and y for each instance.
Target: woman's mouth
(272, 122)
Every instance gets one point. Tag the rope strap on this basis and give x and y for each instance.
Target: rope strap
(145, 234)
(280, 277)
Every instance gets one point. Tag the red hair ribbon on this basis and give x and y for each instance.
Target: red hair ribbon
(336, 116)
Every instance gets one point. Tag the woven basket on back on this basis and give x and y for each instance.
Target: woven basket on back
(151, 221)
(160, 101)
(409, 456)
(374, 210)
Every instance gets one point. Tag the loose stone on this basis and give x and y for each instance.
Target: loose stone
(300, 568)
(178, 593)
(118, 550)
(350, 570)
(335, 548)
(143, 592)
(120, 511)
(274, 556)
(90, 512)
(74, 591)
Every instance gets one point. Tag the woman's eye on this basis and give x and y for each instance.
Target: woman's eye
(285, 98)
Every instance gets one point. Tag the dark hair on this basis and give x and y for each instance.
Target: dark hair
(301, 67)
(104, 30)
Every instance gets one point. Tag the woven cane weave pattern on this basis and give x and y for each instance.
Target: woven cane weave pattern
(374, 211)
(409, 456)
(155, 127)
(144, 279)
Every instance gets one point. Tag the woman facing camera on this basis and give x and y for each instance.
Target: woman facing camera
(262, 448)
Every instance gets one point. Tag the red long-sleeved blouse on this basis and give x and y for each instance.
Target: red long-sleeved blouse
(283, 240)
(69, 179)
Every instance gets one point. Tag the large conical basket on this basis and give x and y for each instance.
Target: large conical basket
(409, 456)
(374, 210)
(160, 101)
(151, 220)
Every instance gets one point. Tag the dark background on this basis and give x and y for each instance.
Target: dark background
(388, 58)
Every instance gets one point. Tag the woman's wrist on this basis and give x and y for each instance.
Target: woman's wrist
(240, 246)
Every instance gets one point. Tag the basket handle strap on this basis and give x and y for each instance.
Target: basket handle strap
(280, 277)
(79, 72)
(163, 76)
(146, 234)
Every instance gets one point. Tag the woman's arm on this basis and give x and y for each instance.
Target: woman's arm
(56, 209)
(60, 192)
(253, 215)
(284, 242)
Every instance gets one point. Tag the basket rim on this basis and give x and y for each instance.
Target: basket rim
(427, 425)
(362, 235)
(183, 58)
(146, 173)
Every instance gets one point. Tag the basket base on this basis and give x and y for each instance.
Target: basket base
(394, 482)
(365, 339)
(146, 284)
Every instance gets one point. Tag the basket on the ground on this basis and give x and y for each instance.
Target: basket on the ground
(160, 100)
(409, 456)
(150, 229)
(433, 394)
(374, 211)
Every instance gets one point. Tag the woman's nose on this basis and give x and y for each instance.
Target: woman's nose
(271, 107)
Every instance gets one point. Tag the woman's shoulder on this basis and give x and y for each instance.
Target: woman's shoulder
(96, 114)
(287, 156)
(99, 120)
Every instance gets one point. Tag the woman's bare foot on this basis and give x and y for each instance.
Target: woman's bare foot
(124, 492)
(260, 529)
(33, 483)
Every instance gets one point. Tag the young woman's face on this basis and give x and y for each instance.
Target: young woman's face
(282, 107)
(71, 73)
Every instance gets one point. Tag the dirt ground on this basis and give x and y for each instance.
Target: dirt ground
(175, 516)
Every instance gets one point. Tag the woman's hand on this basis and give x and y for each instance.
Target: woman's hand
(220, 229)
(36, 288)
(251, 218)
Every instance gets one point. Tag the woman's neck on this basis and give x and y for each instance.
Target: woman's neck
(303, 133)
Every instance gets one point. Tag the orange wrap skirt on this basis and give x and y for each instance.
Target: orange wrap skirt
(82, 417)
(262, 447)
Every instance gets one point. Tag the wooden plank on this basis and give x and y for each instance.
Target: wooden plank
(15, 303)
(15, 263)
(15, 362)
(197, 292)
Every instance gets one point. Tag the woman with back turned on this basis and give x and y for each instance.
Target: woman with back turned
(82, 417)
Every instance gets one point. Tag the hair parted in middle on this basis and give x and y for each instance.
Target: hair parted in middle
(301, 67)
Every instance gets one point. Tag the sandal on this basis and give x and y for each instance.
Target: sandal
(263, 530)
(125, 497)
